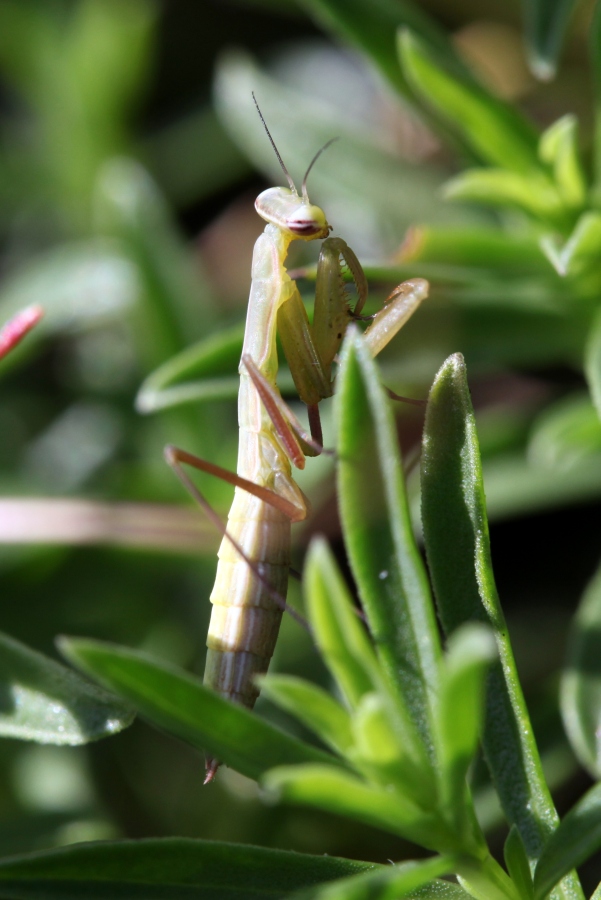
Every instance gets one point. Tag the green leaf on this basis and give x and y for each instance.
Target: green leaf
(313, 706)
(371, 28)
(576, 839)
(558, 147)
(214, 360)
(175, 701)
(581, 250)
(167, 869)
(592, 362)
(534, 193)
(470, 653)
(212, 363)
(474, 248)
(565, 434)
(175, 301)
(340, 637)
(458, 552)
(380, 543)
(389, 883)
(45, 702)
(494, 130)
(347, 652)
(581, 681)
(545, 23)
(517, 863)
(336, 791)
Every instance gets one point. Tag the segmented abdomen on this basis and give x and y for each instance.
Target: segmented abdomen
(246, 617)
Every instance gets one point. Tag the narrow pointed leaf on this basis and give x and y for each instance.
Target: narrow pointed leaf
(532, 193)
(379, 539)
(337, 791)
(545, 25)
(166, 869)
(44, 701)
(339, 634)
(389, 883)
(494, 130)
(576, 839)
(471, 651)
(581, 681)
(312, 706)
(517, 863)
(175, 701)
(214, 359)
(559, 148)
(580, 251)
(372, 27)
(458, 551)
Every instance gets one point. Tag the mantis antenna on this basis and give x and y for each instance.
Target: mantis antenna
(311, 164)
(277, 152)
(281, 161)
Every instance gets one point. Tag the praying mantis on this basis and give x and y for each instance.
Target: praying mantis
(254, 557)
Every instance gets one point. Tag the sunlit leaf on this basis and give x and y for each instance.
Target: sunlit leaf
(559, 148)
(45, 702)
(492, 128)
(313, 706)
(457, 546)
(390, 883)
(534, 193)
(470, 652)
(340, 792)
(372, 28)
(180, 704)
(379, 538)
(581, 250)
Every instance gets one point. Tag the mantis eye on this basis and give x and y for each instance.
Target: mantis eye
(307, 221)
(304, 227)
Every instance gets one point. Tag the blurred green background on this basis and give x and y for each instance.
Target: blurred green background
(130, 158)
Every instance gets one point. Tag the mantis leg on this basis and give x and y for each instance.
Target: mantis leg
(312, 349)
(289, 429)
(398, 308)
(177, 458)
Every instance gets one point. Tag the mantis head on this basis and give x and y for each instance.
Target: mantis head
(284, 207)
(293, 214)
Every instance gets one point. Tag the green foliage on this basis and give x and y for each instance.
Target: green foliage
(174, 868)
(88, 229)
(48, 703)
